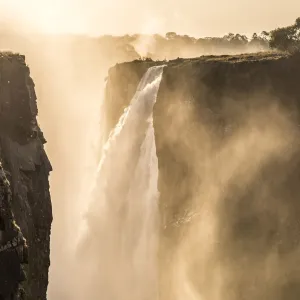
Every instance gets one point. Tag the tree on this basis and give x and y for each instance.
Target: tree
(265, 35)
(171, 35)
(259, 42)
(286, 38)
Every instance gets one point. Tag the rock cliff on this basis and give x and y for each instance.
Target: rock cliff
(25, 205)
(227, 138)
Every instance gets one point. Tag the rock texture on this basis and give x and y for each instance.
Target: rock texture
(25, 206)
(203, 103)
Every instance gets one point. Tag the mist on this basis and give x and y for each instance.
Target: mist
(232, 228)
(69, 79)
(70, 82)
(118, 17)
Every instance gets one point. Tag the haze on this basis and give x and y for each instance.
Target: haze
(69, 78)
(193, 17)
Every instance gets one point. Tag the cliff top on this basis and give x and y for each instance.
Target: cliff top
(259, 56)
(247, 57)
(4, 54)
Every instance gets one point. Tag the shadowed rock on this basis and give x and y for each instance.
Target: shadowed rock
(25, 206)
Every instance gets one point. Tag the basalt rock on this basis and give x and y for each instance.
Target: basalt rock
(204, 106)
(25, 205)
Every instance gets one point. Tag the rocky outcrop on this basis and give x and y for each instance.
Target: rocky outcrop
(13, 247)
(25, 207)
(227, 139)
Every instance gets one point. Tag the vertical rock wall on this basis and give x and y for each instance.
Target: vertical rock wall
(25, 206)
(206, 108)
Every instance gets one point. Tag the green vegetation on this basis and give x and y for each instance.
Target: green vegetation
(173, 45)
(286, 38)
(158, 47)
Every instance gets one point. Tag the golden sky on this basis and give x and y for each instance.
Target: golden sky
(198, 18)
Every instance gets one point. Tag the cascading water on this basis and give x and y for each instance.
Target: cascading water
(119, 244)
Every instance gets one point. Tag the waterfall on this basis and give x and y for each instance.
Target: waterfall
(119, 244)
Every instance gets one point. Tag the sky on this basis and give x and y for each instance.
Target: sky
(197, 18)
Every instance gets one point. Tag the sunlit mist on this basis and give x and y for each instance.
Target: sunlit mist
(198, 18)
(105, 240)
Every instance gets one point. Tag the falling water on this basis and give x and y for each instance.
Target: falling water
(121, 235)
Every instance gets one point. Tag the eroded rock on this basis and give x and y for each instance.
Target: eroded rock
(25, 207)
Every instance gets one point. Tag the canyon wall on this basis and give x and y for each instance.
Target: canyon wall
(227, 138)
(25, 207)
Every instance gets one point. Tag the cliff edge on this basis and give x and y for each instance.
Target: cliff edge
(25, 205)
(227, 139)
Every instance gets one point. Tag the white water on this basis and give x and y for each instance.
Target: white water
(119, 244)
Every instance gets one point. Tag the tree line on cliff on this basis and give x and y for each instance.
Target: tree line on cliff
(174, 45)
(158, 47)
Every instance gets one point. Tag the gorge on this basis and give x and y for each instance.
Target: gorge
(227, 140)
(223, 151)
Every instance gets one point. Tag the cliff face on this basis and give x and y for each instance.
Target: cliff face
(26, 213)
(227, 139)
